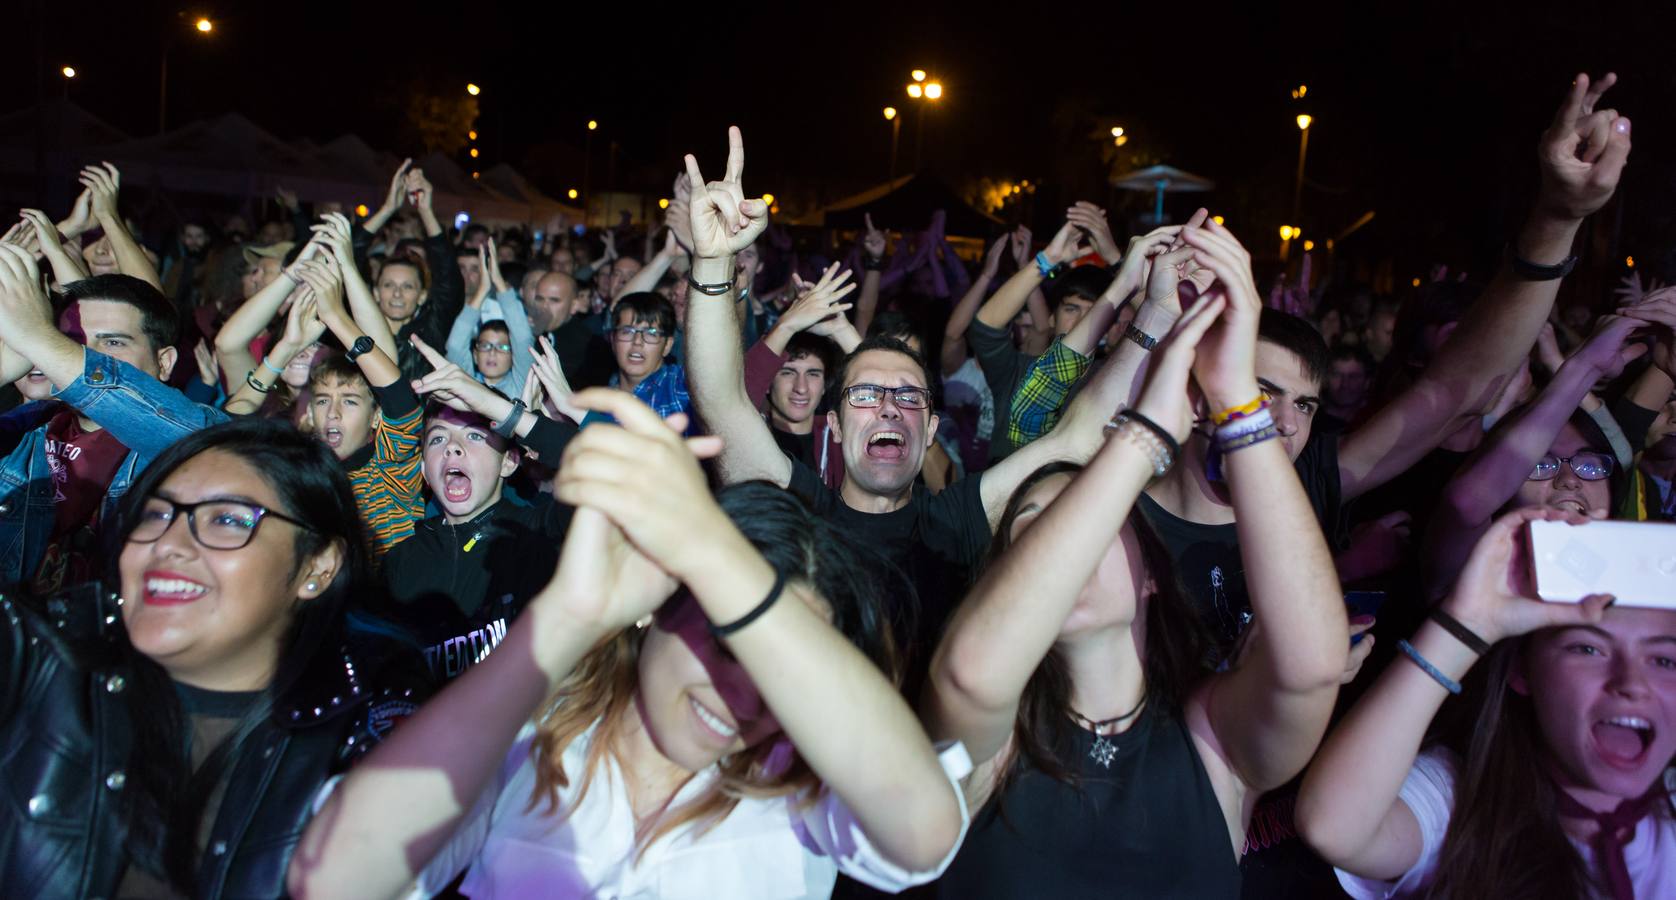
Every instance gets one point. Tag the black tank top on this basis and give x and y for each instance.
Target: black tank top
(1147, 826)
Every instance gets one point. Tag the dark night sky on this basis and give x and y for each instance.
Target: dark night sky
(1427, 114)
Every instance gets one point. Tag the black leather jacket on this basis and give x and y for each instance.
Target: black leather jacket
(65, 738)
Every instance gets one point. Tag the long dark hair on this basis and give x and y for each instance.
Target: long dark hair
(165, 799)
(1504, 838)
(1178, 651)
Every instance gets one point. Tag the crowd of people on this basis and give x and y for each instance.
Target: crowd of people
(369, 557)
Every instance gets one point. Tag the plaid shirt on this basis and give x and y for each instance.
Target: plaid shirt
(665, 391)
(1041, 395)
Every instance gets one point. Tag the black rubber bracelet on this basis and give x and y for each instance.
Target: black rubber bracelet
(1462, 633)
(709, 290)
(1168, 439)
(734, 627)
(872, 263)
(1530, 271)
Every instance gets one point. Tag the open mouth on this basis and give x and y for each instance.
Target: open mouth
(333, 437)
(456, 485)
(162, 590)
(634, 357)
(1571, 503)
(1623, 741)
(712, 723)
(887, 445)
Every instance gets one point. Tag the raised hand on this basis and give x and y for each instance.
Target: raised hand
(1605, 352)
(491, 267)
(1092, 220)
(103, 182)
(992, 259)
(398, 188)
(66, 267)
(646, 479)
(873, 241)
(286, 197)
(209, 369)
(1021, 245)
(1139, 262)
(1225, 366)
(1164, 398)
(1658, 309)
(550, 372)
(333, 231)
(24, 309)
(81, 216)
(475, 301)
(1583, 152)
(454, 388)
(1067, 245)
(603, 584)
(817, 304)
(723, 220)
(419, 191)
(1494, 595)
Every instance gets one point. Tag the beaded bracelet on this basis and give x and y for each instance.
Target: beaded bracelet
(1240, 412)
(1147, 442)
(1449, 684)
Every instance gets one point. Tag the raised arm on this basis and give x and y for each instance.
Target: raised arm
(401, 805)
(652, 272)
(1348, 808)
(143, 413)
(1582, 155)
(337, 233)
(104, 181)
(845, 719)
(302, 328)
(232, 342)
(1008, 623)
(1004, 306)
(723, 223)
(954, 331)
(1266, 716)
(1473, 497)
(65, 267)
(817, 311)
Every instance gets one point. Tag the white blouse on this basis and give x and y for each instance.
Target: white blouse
(764, 848)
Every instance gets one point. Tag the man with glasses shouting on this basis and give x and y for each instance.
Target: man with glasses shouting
(880, 415)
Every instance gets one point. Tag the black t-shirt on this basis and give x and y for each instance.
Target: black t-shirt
(937, 540)
(797, 447)
(1207, 557)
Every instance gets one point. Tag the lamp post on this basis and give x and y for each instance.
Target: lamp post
(921, 89)
(895, 131)
(587, 168)
(202, 26)
(1303, 150)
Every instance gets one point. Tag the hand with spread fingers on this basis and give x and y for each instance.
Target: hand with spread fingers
(646, 479)
(1091, 220)
(724, 221)
(1225, 367)
(816, 308)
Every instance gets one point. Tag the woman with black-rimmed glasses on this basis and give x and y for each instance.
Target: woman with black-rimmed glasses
(164, 740)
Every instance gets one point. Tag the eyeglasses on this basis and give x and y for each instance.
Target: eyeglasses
(867, 396)
(485, 347)
(1589, 466)
(627, 333)
(226, 525)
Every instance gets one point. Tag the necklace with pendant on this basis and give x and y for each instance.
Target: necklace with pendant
(1104, 750)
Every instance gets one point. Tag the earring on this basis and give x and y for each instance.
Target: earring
(644, 622)
(312, 586)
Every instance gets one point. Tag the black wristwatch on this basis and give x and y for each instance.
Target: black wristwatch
(510, 425)
(362, 346)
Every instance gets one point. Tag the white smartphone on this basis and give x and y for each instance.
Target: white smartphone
(1633, 561)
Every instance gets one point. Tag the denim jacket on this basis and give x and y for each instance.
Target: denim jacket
(138, 410)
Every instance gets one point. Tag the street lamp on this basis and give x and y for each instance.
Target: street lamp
(915, 91)
(933, 91)
(895, 132)
(473, 89)
(203, 26)
(593, 125)
(69, 71)
(918, 74)
(571, 193)
(930, 90)
(1304, 121)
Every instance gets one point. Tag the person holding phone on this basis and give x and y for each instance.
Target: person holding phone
(1551, 781)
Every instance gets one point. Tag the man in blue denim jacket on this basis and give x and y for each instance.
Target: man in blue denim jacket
(106, 366)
